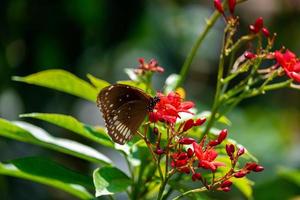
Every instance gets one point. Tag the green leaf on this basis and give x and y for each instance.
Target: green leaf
(98, 83)
(139, 85)
(171, 81)
(29, 133)
(63, 81)
(244, 185)
(47, 172)
(110, 180)
(68, 122)
(292, 175)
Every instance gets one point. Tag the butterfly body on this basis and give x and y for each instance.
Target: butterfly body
(124, 109)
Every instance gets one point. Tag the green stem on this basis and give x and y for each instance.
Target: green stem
(217, 101)
(188, 61)
(189, 192)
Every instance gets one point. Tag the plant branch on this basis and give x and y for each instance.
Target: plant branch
(190, 191)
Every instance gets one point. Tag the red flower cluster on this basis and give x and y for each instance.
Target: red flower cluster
(259, 26)
(290, 63)
(169, 107)
(151, 66)
(186, 161)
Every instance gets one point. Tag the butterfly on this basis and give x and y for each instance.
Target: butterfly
(124, 109)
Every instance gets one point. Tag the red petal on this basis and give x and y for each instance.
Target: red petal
(295, 76)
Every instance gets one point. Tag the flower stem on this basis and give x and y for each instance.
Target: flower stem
(189, 192)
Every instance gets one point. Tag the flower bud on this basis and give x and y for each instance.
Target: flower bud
(222, 135)
(155, 130)
(259, 23)
(249, 55)
(218, 6)
(240, 174)
(196, 176)
(190, 152)
(265, 31)
(213, 143)
(159, 151)
(241, 151)
(199, 122)
(226, 189)
(231, 5)
(185, 170)
(226, 183)
(250, 166)
(182, 156)
(188, 124)
(180, 163)
(230, 150)
(186, 141)
(258, 168)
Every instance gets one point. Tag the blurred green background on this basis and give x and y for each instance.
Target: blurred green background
(102, 37)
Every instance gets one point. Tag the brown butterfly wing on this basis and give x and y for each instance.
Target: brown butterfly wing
(124, 109)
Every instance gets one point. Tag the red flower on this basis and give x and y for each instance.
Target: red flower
(290, 63)
(206, 157)
(151, 66)
(169, 107)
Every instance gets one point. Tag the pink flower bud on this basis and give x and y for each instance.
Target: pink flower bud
(159, 151)
(240, 174)
(258, 168)
(265, 31)
(241, 151)
(226, 183)
(196, 176)
(155, 130)
(222, 135)
(249, 55)
(218, 6)
(190, 152)
(231, 5)
(186, 141)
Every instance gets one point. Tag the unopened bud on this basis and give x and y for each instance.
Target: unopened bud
(218, 6)
(196, 176)
(186, 141)
(265, 31)
(155, 130)
(249, 55)
(231, 5)
(159, 151)
(213, 143)
(241, 151)
(240, 174)
(190, 152)
(258, 168)
(226, 183)
(226, 189)
(222, 135)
